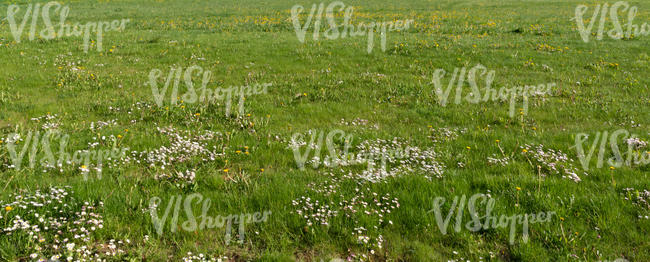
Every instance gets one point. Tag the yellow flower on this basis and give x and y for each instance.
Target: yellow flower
(126, 130)
(248, 115)
(83, 166)
(261, 169)
(238, 151)
(498, 140)
(246, 152)
(304, 94)
(518, 188)
(524, 150)
(611, 167)
(8, 208)
(197, 114)
(561, 218)
(119, 136)
(225, 170)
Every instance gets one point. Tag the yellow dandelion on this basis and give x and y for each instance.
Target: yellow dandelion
(8, 208)
(225, 170)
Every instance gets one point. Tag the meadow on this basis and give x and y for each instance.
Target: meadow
(198, 130)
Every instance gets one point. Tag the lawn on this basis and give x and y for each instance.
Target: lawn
(195, 130)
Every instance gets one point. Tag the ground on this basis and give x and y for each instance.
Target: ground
(248, 165)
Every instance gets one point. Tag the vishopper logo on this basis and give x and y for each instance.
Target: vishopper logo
(36, 11)
(635, 155)
(338, 156)
(459, 76)
(205, 95)
(316, 144)
(34, 142)
(603, 13)
(347, 28)
(487, 221)
(206, 221)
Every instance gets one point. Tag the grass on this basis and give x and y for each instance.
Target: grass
(601, 86)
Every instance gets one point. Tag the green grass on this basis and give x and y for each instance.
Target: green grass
(601, 86)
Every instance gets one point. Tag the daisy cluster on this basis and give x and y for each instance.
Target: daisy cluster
(365, 211)
(96, 126)
(135, 107)
(443, 134)
(202, 258)
(49, 121)
(393, 162)
(183, 148)
(636, 143)
(639, 198)
(178, 179)
(494, 160)
(358, 122)
(383, 158)
(52, 225)
(550, 161)
(55, 154)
